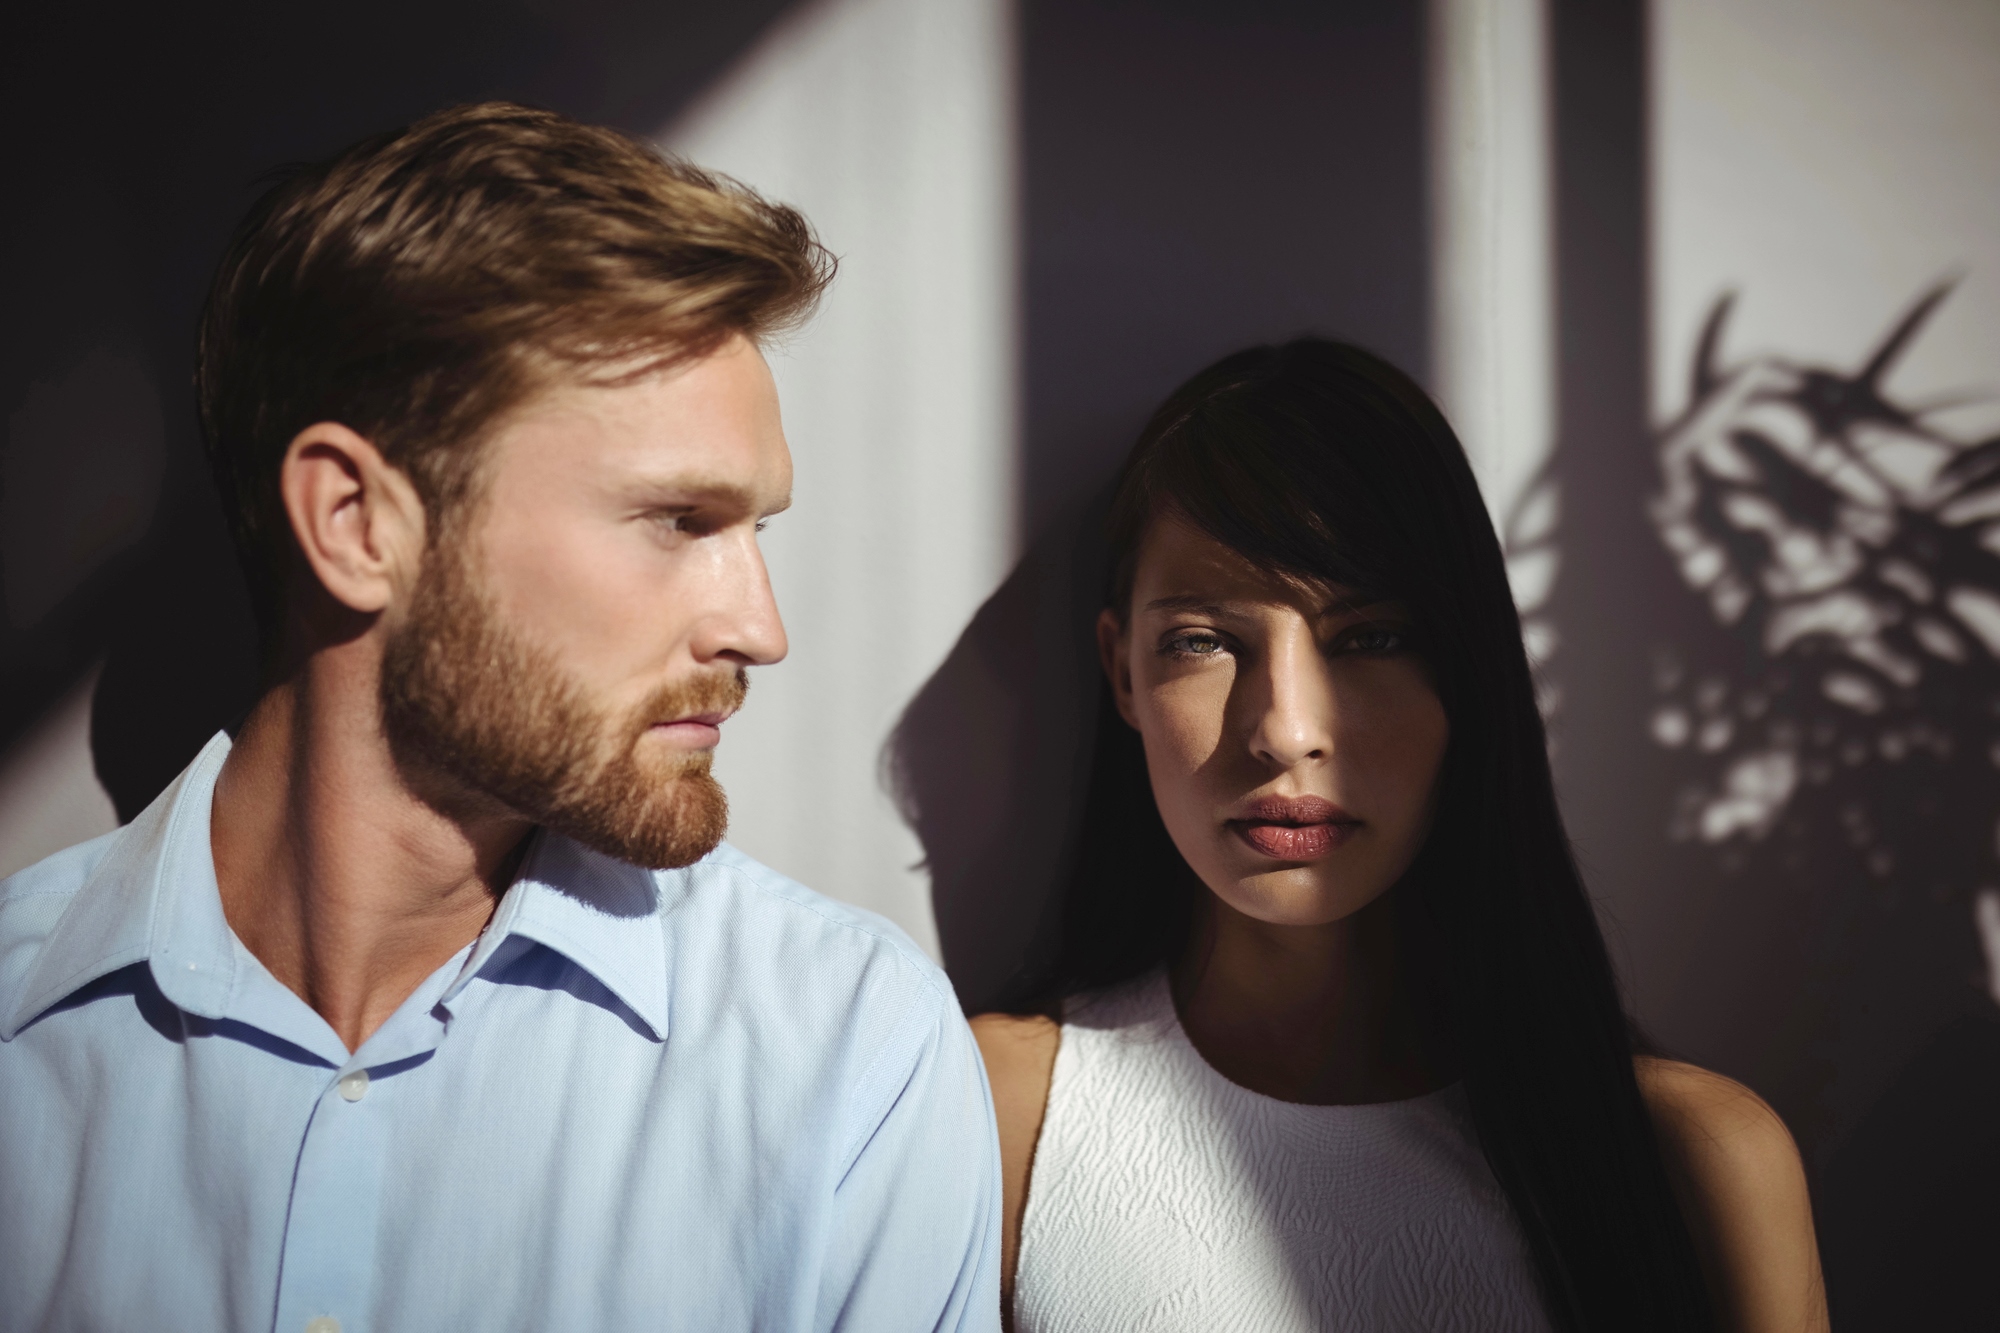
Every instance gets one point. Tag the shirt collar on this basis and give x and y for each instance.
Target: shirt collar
(604, 915)
(115, 918)
(153, 898)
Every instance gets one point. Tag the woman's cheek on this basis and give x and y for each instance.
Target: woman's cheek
(1187, 712)
(1180, 738)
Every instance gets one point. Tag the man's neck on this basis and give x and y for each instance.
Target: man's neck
(340, 879)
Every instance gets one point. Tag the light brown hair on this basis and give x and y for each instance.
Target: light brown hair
(425, 281)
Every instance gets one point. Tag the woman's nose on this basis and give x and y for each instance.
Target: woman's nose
(1296, 724)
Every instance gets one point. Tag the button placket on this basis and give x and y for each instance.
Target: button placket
(327, 1281)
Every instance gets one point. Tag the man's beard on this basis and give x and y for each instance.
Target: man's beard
(463, 697)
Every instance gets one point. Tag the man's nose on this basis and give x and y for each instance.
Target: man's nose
(1296, 724)
(744, 625)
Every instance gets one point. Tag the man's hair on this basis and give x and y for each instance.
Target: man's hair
(427, 280)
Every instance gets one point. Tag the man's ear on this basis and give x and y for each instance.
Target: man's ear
(1117, 666)
(357, 519)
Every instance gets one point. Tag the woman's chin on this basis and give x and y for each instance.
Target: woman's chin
(1297, 896)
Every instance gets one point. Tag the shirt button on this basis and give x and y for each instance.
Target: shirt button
(326, 1323)
(354, 1087)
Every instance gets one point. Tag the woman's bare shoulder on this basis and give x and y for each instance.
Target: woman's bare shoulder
(1715, 1113)
(1742, 1186)
(1015, 1031)
(1020, 1056)
(1732, 1147)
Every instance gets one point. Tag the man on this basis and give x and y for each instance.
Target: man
(432, 1002)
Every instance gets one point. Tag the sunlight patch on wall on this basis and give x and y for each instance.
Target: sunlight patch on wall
(1492, 289)
(890, 124)
(49, 794)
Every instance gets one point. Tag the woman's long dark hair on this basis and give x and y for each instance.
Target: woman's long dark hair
(1321, 460)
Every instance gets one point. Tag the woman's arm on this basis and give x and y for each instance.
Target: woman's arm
(1742, 1187)
(1020, 1060)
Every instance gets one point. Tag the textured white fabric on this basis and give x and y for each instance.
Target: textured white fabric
(1165, 1197)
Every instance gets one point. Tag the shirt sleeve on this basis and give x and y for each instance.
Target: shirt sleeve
(916, 1227)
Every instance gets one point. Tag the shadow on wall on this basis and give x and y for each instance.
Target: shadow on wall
(180, 658)
(989, 761)
(1906, 1202)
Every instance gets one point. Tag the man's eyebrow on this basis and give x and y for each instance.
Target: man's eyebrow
(689, 492)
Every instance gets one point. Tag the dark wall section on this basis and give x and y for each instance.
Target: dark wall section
(1197, 176)
(139, 133)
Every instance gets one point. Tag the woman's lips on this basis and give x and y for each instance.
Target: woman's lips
(1294, 828)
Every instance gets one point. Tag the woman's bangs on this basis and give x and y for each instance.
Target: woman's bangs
(1240, 477)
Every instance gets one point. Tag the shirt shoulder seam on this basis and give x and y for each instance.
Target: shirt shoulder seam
(16, 895)
(867, 1124)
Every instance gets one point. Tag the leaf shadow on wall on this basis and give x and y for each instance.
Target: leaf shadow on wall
(1830, 729)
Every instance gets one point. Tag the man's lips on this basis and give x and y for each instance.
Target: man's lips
(702, 731)
(1293, 828)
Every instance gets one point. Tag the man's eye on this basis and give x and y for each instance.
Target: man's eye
(1193, 645)
(682, 522)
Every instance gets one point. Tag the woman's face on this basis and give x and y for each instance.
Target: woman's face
(1293, 736)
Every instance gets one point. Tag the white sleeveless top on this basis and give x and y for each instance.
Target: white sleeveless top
(1165, 1197)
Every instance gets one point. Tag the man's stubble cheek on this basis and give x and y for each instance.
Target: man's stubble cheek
(466, 694)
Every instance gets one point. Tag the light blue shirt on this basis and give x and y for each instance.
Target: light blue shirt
(702, 1099)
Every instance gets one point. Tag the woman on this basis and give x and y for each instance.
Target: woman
(1328, 1036)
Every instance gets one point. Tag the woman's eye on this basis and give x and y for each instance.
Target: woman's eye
(1193, 645)
(1375, 640)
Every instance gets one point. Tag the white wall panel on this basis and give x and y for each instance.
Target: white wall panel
(1493, 293)
(1830, 159)
(889, 122)
(1490, 234)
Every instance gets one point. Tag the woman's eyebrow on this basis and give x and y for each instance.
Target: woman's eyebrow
(1189, 603)
(1357, 602)
(1195, 604)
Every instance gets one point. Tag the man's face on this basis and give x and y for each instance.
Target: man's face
(579, 634)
